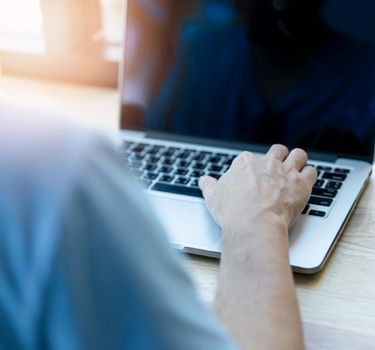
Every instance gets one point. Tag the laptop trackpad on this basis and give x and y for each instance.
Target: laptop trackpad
(186, 222)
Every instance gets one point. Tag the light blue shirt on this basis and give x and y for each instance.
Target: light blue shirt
(84, 263)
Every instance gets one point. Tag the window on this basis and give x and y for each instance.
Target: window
(70, 40)
(21, 26)
(112, 20)
(106, 40)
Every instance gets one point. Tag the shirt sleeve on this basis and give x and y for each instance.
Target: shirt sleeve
(115, 283)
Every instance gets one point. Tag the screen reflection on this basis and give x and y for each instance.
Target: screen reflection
(256, 71)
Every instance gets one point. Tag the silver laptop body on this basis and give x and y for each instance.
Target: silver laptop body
(152, 140)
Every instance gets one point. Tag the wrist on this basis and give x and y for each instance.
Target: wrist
(257, 232)
(260, 224)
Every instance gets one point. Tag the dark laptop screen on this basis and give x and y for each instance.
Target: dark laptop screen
(301, 73)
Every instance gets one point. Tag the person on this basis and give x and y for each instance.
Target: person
(85, 264)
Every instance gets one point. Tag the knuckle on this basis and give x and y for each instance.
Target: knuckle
(300, 180)
(245, 157)
(294, 177)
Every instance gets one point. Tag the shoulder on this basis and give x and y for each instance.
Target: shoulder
(37, 144)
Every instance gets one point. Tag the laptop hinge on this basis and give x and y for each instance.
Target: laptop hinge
(207, 142)
(325, 157)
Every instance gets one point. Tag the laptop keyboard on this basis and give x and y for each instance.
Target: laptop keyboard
(326, 190)
(177, 170)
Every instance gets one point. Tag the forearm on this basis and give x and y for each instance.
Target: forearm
(256, 299)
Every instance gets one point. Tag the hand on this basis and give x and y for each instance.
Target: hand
(255, 203)
(260, 188)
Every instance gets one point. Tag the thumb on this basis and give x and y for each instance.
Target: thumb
(208, 185)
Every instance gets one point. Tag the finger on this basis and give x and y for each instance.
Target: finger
(208, 185)
(279, 152)
(310, 174)
(297, 160)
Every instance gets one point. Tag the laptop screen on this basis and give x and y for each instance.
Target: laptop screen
(300, 73)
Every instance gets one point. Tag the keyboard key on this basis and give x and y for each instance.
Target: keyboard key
(194, 183)
(334, 176)
(184, 164)
(215, 160)
(199, 166)
(215, 168)
(200, 157)
(137, 157)
(319, 213)
(150, 167)
(139, 148)
(319, 183)
(177, 189)
(184, 155)
(150, 176)
(342, 171)
(168, 161)
(214, 175)
(166, 178)
(325, 202)
(324, 168)
(334, 185)
(165, 169)
(182, 181)
(154, 150)
(153, 160)
(168, 153)
(135, 164)
(181, 171)
(306, 209)
(197, 173)
(229, 160)
(326, 192)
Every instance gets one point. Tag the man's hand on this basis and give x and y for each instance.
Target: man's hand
(255, 203)
(274, 186)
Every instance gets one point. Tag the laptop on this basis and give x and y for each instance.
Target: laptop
(203, 80)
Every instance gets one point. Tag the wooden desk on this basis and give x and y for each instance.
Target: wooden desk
(337, 305)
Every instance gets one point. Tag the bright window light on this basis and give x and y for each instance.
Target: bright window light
(112, 20)
(21, 26)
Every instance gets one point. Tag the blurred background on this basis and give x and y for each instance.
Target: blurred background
(79, 40)
(67, 40)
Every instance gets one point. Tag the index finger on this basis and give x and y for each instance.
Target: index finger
(208, 185)
(278, 152)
